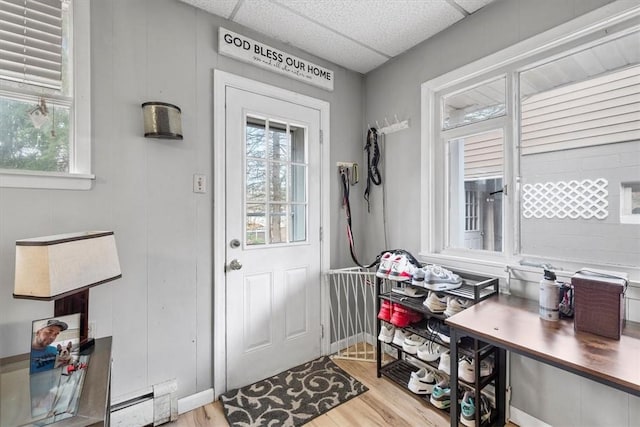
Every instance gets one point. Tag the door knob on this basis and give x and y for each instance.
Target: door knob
(234, 265)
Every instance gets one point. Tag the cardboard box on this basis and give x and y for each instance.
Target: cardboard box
(599, 302)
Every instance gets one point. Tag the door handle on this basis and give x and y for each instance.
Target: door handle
(234, 265)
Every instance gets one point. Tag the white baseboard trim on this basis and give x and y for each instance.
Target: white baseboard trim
(523, 419)
(194, 401)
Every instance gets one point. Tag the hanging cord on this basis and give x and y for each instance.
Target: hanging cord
(373, 174)
(344, 177)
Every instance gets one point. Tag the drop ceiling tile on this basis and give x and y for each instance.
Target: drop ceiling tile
(218, 7)
(390, 27)
(472, 5)
(286, 26)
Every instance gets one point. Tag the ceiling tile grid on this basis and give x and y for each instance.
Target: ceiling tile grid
(307, 35)
(359, 35)
(389, 27)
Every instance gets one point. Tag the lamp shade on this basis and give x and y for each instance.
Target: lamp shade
(52, 267)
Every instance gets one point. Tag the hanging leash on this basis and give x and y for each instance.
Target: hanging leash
(373, 174)
(344, 177)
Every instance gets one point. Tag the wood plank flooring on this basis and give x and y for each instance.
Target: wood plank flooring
(385, 404)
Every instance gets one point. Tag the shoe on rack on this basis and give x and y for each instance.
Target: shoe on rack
(417, 279)
(409, 290)
(438, 278)
(385, 265)
(385, 311)
(439, 329)
(456, 305)
(468, 410)
(435, 302)
(403, 316)
(387, 333)
(467, 370)
(422, 381)
(445, 363)
(441, 395)
(401, 269)
(412, 342)
(399, 336)
(430, 351)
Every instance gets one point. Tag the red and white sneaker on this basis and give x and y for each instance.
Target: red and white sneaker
(401, 269)
(385, 265)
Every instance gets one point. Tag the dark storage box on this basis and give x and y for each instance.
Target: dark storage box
(599, 302)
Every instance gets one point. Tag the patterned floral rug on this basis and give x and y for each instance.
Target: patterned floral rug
(293, 397)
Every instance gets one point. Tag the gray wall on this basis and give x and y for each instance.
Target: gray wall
(160, 312)
(393, 89)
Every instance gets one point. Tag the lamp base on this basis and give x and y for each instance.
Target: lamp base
(75, 303)
(86, 347)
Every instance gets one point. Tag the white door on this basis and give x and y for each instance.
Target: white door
(273, 205)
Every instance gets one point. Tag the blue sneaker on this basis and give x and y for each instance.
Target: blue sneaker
(441, 395)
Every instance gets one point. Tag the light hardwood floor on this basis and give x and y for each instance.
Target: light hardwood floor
(385, 404)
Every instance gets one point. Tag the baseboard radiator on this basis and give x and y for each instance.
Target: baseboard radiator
(157, 407)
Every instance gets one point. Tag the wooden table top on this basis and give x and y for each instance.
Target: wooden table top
(513, 323)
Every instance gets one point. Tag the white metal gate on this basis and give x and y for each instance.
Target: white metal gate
(353, 307)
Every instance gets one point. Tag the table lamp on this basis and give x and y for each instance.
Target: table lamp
(62, 268)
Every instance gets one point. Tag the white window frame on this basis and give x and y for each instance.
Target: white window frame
(80, 177)
(616, 17)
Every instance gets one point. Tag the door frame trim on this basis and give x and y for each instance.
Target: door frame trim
(221, 80)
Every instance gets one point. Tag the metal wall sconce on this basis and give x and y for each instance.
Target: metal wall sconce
(162, 120)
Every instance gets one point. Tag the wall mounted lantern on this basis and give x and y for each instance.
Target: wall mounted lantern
(162, 120)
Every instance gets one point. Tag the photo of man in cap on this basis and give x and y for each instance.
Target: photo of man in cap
(43, 354)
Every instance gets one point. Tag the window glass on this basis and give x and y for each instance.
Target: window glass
(579, 134)
(36, 98)
(275, 182)
(475, 189)
(475, 104)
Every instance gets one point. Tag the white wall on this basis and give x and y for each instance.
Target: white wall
(555, 397)
(160, 312)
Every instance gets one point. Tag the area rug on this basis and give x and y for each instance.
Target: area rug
(293, 397)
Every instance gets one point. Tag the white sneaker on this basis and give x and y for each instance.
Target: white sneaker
(422, 381)
(445, 363)
(435, 302)
(438, 278)
(385, 265)
(456, 305)
(401, 269)
(399, 336)
(412, 342)
(430, 351)
(466, 369)
(386, 333)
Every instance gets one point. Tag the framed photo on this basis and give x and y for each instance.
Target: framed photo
(55, 343)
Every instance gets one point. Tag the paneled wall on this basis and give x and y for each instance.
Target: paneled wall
(160, 312)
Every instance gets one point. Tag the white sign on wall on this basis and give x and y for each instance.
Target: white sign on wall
(245, 49)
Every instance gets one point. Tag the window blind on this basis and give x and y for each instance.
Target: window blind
(31, 42)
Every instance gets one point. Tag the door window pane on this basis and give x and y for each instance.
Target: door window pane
(298, 221)
(276, 176)
(278, 223)
(255, 224)
(278, 141)
(256, 142)
(256, 183)
(278, 183)
(485, 101)
(475, 188)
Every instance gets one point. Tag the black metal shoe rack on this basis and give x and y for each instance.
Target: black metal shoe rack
(474, 288)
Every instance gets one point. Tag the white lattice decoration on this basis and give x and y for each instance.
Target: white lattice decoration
(574, 199)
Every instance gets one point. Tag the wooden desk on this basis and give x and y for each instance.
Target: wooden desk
(513, 324)
(95, 401)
